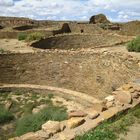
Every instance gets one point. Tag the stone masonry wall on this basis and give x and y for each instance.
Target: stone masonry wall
(75, 41)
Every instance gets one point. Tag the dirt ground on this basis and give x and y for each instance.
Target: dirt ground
(133, 134)
(13, 45)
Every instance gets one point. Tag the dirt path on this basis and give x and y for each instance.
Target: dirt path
(73, 94)
(133, 134)
(122, 48)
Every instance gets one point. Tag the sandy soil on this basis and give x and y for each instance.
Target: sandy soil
(13, 45)
(122, 48)
(133, 134)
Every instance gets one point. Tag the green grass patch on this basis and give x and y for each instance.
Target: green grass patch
(50, 95)
(134, 45)
(5, 115)
(111, 129)
(33, 122)
(2, 50)
(27, 109)
(30, 37)
(33, 96)
(34, 36)
(22, 36)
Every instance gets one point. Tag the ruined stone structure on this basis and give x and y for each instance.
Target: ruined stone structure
(100, 18)
(130, 28)
(100, 72)
(81, 62)
(9, 21)
(77, 41)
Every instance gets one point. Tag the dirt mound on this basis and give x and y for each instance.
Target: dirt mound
(100, 18)
(131, 28)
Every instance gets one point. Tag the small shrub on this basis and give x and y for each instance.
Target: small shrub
(33, 122)
(5, 115)
(34, 36)
(22, 36)
(27, 109)
(50, 95)
(134, 45)
(103, 26)
(1, 50)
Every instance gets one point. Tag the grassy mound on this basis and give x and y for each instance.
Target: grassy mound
(33, 122)
(5, 115)
(134, 45)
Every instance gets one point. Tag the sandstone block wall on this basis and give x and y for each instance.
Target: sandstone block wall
(85, 28)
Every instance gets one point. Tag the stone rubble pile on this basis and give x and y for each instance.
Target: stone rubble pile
(80, 121)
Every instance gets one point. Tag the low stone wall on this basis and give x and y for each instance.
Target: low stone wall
(93, 72)
(85, 28)
(14, 34)
(130, 28)
(75, 41)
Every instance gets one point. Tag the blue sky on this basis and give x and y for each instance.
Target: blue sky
(116, 10)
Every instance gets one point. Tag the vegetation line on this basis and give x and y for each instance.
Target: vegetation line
(111, 129)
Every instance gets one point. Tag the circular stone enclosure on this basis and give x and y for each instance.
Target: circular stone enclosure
(77, 41)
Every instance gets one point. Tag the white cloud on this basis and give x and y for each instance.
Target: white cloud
(4, 3)
(117, 10)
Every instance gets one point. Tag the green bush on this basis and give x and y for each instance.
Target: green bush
(103, 26)
(134, 45)
(22, 36)
(50, 95)
(34, 36)
(5, 115)
(33, 122)
(27, 109)
(1, 50)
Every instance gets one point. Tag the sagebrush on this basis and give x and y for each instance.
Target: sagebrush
(33, 122)
(134, 45)
(5, 115)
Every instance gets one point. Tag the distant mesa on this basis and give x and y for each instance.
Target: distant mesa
(100, 18)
